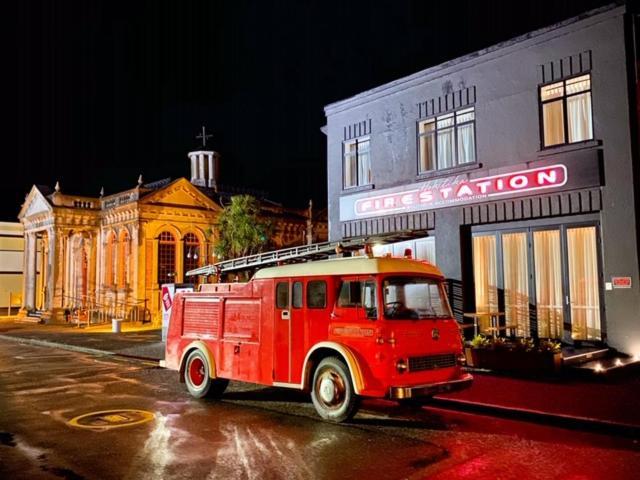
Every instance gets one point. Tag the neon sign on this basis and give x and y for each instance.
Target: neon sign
(460, 190)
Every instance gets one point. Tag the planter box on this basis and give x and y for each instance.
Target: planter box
(513, 360)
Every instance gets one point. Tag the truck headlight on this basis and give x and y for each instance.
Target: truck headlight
(461, 359)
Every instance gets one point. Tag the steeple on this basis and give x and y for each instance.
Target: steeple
(205, 164)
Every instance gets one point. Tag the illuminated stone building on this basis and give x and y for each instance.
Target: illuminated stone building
(109, 255)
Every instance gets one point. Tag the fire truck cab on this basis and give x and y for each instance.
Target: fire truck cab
(342, 329)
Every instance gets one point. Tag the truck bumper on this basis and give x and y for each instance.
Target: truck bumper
(399, 393)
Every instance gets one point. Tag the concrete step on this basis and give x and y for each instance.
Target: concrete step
(29, 319)
(614, 364)
(577, 356)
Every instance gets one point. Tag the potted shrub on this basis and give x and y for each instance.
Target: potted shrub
(551, 353)
(525, 355)
(471, 350)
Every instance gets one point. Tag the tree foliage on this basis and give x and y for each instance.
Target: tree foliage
(240, 230)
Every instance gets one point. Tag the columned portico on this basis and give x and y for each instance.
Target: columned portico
(29, 280)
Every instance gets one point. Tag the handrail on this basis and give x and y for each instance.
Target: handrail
(91, 311)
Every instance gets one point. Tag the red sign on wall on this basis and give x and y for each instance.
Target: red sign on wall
(621, 282)
(166, 298)
(463, 191)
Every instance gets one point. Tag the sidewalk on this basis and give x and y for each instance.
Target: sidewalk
(604, 403)
(609, 403)
(137, 341)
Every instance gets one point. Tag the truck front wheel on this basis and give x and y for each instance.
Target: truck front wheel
(332, 394)
(198, 380)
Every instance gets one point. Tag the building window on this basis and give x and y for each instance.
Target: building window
(447, 140)
(191, 253)
(124, 252)
(357, 163)
(566, 111)
(420, 249)
(110, 260)
(166, 258)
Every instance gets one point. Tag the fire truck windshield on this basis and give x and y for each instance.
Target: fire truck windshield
(414, 298)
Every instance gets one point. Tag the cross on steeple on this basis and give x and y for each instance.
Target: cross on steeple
(204, 137)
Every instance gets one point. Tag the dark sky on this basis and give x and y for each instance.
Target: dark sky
(95, 93)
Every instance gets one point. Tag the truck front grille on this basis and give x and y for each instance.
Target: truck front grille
(431, 362)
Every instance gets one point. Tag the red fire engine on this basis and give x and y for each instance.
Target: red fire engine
(342, 329)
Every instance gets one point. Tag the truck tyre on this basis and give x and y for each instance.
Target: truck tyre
(197, 378)
(332, 391)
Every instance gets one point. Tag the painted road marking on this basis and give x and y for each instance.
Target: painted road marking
(109, 419)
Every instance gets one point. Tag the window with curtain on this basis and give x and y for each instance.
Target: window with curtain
(357, 163)
(485, 276)
(124, 252)
(191, 252)
(421, 249)
(566, 111)
(516, 281)
(548, 277)
(166, 258)
(447, 140)
(584, 292)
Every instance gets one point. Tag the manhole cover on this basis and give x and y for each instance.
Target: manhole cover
(111, 419)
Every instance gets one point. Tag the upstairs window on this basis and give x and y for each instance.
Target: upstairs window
(447, 140)
(566, 111)
(357, 163)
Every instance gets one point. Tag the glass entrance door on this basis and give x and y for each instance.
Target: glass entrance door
(548, 275)
(584, 292)
(547, 281)
(516, 282)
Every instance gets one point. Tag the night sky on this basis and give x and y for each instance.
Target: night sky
(95, 93)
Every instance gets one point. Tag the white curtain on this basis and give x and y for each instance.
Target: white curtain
(516, 281)
(485, 277)
(421, 249)
(364, 163)
(579, 117)
(426, 249)
(548, 272)
(466, 144)
(446, 141)
(583, 283)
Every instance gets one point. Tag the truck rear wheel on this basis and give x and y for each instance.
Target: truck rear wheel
(198, 379)
(332, 392)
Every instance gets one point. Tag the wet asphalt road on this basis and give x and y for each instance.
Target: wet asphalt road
(258, 433)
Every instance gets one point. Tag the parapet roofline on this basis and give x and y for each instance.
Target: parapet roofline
(442, 69)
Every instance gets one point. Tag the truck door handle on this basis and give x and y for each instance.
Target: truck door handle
(334, 315)
(284, 315)
(236, 348)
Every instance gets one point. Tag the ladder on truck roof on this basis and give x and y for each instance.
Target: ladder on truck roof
(314, 251)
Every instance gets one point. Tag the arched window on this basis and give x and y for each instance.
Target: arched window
(166, 258)
(110, 260)
(191, 253)
(124, 251)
